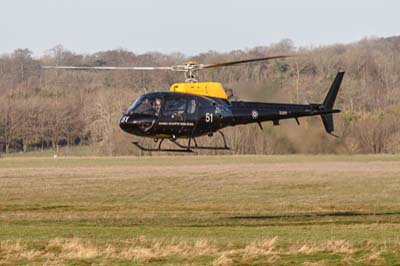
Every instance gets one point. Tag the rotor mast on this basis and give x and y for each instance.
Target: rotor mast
(191, 76)
(190, 70)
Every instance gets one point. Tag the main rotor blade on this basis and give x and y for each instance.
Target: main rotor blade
(244, 61)
(106, 68)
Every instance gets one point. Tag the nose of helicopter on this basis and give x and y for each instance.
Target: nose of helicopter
(125, 123)
(136, 124)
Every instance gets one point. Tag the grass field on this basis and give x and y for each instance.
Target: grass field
(211, 210)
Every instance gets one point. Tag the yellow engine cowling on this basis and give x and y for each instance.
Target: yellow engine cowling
(211, 89)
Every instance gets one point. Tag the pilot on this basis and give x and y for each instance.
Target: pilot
(157, 106)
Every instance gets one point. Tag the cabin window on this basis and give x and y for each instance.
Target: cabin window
(205, 103)
(146, 105)
(174, 107)
(191, 106)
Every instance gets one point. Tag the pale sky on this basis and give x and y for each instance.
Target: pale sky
(190, 27)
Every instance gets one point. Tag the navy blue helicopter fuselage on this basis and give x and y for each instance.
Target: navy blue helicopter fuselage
(173, 115)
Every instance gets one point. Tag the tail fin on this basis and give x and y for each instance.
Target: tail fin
(333, 91)
(329, 101)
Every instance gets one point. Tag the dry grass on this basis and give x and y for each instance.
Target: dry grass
(61, 250)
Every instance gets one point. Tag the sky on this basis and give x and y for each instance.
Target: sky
(189, 27)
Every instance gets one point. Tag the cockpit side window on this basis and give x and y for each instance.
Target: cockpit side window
(203, 103)
(174, 107)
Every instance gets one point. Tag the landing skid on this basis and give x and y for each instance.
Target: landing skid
(183, 148)
(137, 144)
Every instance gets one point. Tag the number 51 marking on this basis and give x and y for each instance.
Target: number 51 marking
(209, 117)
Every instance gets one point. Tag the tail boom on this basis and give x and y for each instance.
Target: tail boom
(257, 112)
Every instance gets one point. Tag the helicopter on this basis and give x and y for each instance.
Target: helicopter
(192, 109)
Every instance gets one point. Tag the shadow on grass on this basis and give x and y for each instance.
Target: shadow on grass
(315, 215)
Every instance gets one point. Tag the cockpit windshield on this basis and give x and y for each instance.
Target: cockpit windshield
(146, 105)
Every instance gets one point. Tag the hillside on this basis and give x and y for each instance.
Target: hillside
(49, 109)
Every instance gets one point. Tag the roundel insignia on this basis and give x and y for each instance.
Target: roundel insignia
(254, 114)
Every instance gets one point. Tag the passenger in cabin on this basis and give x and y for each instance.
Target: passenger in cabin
(157, 106)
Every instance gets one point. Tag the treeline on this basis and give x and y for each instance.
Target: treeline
(56, 108)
